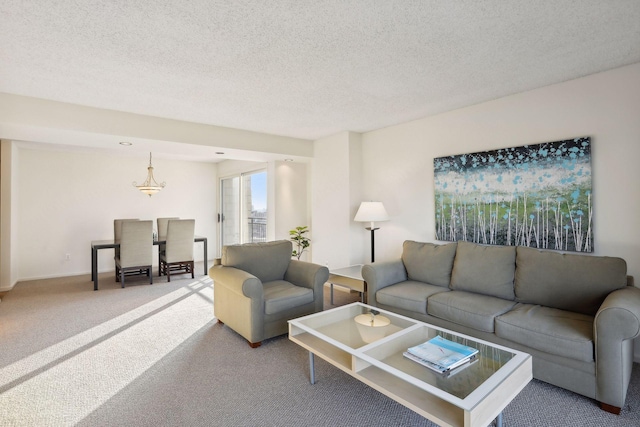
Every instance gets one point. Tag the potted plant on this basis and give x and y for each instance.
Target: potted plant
(301, 241)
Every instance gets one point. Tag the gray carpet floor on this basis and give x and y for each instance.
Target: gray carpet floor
(154, 355)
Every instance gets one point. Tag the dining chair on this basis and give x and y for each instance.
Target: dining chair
(163, 223)
(178, 254)
(136, 249)
(117, 232)
(162, 233)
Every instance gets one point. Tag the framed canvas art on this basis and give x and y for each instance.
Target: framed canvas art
(534, 195)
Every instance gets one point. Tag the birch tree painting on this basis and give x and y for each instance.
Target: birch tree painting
(535, 195)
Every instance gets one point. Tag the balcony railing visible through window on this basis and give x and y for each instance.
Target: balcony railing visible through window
(257, 229)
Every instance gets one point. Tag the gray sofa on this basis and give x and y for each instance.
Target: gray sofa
(577, 315)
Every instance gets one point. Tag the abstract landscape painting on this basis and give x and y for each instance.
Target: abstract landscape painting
(535, 195)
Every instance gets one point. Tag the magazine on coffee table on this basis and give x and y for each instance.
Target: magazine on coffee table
(441, 354)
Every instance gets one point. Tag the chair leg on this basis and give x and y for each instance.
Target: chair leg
(122, 277)
(150, 274)
(191, 266)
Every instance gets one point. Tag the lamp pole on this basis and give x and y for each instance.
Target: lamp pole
(373, 241)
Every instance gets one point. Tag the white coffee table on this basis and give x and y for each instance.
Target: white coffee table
(473, 396)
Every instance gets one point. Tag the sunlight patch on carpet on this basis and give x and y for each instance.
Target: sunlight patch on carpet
(63, 383)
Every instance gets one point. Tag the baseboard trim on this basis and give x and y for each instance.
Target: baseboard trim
(8, 288)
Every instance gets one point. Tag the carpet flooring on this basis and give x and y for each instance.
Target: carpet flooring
(154, 355)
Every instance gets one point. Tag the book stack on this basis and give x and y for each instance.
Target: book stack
(441, 355)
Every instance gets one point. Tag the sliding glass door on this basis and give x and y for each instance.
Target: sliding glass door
(243, 206)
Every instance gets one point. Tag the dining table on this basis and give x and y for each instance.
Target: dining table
(97, 245)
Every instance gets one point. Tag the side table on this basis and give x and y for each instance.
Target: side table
(349, 277)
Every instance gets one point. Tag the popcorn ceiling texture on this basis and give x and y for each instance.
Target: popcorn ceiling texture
(306, 69)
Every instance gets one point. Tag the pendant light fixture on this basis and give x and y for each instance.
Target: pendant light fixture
(149, 186)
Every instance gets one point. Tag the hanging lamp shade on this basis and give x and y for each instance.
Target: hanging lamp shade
(149, 186)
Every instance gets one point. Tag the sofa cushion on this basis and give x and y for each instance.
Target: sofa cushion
(280, 295)
(553, 331)
(429, 263)
(409, 295)
(577, 283)
(468, 309)
(267, 261)
(487, 270)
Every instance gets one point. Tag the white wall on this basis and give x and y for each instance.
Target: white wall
(67, 199)
(8, 214)
(336, 196)
(290, 198)
(398, 161)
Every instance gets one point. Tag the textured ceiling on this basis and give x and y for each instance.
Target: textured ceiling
(305, 69)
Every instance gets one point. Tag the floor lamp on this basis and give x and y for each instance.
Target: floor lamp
(371, 212)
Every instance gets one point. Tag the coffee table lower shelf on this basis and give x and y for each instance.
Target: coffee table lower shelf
(414, 398)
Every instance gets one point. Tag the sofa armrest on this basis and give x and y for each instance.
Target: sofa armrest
(238, 281)
(380, 275)
(308, 275)
(617, 323)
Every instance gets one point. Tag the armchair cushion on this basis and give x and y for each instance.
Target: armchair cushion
(267, 261)
(280, 295)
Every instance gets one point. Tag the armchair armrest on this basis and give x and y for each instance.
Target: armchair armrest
(237, 281)
(617, 323)
(382, 274)
(238, 301)
(308, 275)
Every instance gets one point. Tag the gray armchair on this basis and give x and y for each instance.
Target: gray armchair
(258, 287)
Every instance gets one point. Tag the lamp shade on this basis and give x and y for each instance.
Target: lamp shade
(371, 212)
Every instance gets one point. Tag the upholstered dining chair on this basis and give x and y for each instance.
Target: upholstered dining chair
(136, 249)
(163, 223)
(117, 232)
(257, 288)
(178, 254)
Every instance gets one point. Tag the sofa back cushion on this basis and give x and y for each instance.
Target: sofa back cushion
(267, 261)
(488, 270)
(428, 262)
(577, 283)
